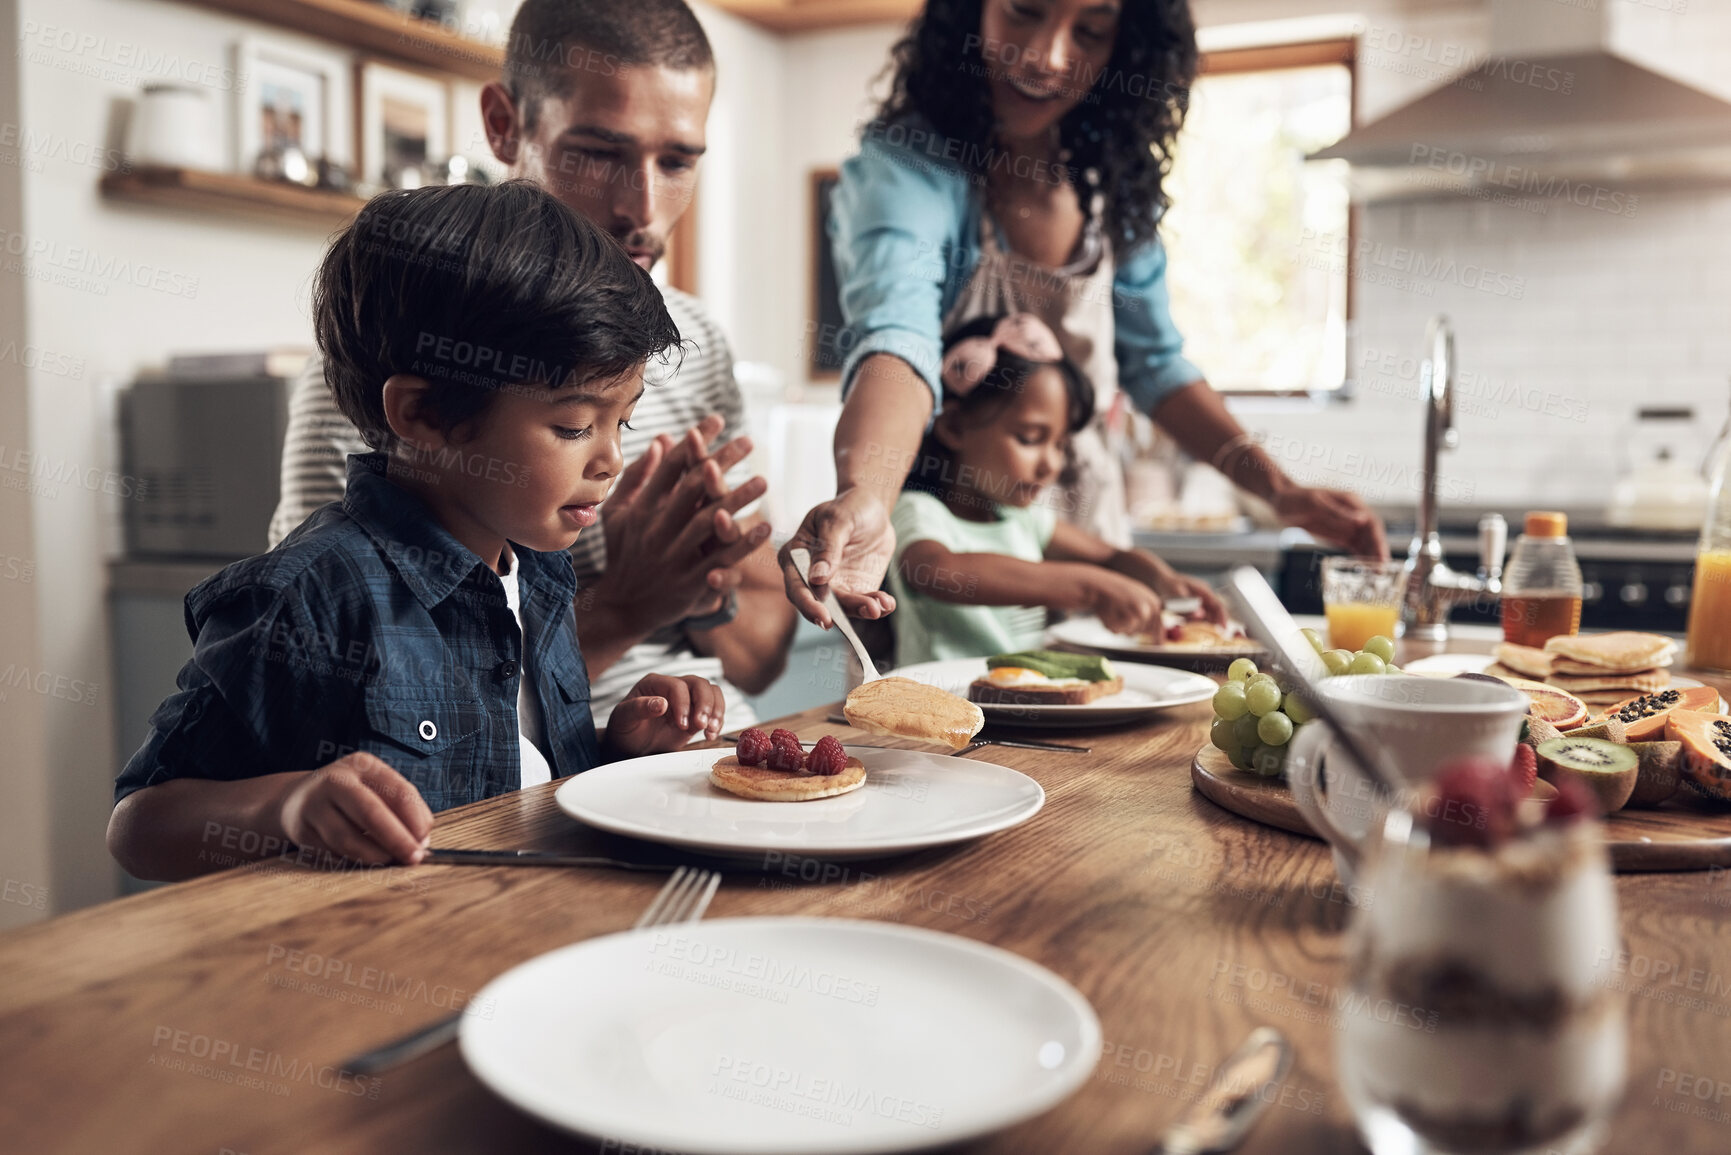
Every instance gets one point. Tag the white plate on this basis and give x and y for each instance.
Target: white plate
(1092, 634)
(1147, 690)
(769, 1036)
(911, 800)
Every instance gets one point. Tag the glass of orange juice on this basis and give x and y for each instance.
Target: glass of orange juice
(1361, 599)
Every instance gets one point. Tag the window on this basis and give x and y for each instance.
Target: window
(1258, 237)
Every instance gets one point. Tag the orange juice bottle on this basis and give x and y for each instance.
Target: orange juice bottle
(1542, 586)
(1709, 639)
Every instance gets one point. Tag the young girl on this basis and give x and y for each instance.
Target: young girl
(980, 557)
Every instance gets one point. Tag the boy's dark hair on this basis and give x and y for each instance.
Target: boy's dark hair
(934, 471)
(552, 38)
(477, 289)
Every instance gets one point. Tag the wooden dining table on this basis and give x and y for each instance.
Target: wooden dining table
(213, 1016)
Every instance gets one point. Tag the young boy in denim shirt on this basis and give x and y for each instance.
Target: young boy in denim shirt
(413, 647)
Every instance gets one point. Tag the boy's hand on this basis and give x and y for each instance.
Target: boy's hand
(361, 809)
(664, 713)
(1123, 604)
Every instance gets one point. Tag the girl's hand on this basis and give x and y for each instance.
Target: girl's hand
(1174, 586)
(1123, 604)
(664, 713)
(360, 809)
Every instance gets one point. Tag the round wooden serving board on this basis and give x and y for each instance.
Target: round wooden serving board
(1686, 833)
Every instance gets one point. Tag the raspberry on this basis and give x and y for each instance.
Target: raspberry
(785, 754)
(827, 757)
(1474, 804)
(754, 747)
(784, 737)
(1573, 803)
(1525, 768)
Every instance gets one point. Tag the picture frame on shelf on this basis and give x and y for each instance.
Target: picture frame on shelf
(291, 97)
(404, 123)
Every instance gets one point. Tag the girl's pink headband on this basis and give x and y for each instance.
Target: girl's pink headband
(968, 361)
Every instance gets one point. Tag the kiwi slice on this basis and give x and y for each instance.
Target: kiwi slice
(1537, 731)
(1661, 772)
(1608, 769)
(1609, 728)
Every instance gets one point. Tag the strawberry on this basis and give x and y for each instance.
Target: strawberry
(1524, 769)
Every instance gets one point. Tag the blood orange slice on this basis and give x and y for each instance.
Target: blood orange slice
(1558, 707)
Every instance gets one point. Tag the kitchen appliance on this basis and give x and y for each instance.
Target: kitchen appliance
(1661, 486)
(1557, 96)
(205, 455)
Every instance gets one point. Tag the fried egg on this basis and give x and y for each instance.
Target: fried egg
(1006, 677)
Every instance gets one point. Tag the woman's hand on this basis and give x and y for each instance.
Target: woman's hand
(1334, 516)
(851, 543)
(663, 713)
(360, 809)
(1123, 604)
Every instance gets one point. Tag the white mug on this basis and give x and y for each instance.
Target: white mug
(1418, 724)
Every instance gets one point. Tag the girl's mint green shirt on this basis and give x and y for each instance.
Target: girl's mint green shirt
(928, 629)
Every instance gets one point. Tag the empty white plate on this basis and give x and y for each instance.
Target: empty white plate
(911, 800)
(769, 1036)
(1147, 690)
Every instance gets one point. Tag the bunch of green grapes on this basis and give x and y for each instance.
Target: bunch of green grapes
(1255, 716)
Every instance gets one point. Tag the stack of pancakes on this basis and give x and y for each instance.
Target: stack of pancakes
(1622, 663)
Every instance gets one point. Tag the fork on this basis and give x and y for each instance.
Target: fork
(683, 898)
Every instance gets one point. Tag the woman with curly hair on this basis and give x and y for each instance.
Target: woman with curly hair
(1018, 166)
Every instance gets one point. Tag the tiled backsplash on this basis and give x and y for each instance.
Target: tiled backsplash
(1567, 319)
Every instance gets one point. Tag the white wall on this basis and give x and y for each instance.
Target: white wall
(208, 283)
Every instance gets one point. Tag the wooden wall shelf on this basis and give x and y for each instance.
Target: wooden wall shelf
(811, 15)
(197, 191)
(376, 29)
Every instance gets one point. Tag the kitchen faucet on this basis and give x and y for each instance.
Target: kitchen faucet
(1432, 588)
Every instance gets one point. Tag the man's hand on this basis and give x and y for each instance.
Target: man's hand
(1334, 516)
(851, 542)
(663, 713)
(361, 809)
(672, 543)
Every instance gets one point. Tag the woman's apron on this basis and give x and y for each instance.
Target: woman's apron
(1076, 302)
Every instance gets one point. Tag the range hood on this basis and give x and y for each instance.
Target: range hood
(1552, 101)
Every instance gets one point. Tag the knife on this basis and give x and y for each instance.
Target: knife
(451, 856)
(840, 720)
(1223, 1116)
